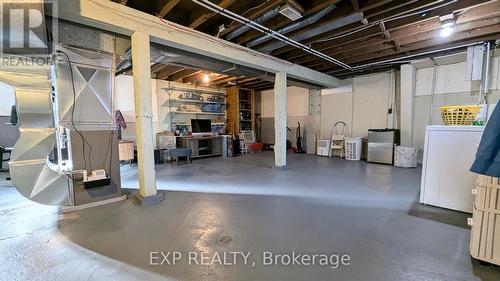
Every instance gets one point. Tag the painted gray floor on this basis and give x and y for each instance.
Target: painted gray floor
(316, 205)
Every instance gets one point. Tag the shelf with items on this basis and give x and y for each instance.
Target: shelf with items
(191, 89)
(189, 124)
(241, 110)
(194, 101)
(179, 103)
(197, 113)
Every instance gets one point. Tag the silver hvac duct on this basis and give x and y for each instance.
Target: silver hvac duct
(352, 18)
(75, 95)
(244, 28)
(293, 26)
(33, 175)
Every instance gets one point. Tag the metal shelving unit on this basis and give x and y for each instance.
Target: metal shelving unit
(175, 100)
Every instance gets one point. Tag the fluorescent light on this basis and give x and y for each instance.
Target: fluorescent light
(446, 31)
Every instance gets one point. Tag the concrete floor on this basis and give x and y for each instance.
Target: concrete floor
(316, 205)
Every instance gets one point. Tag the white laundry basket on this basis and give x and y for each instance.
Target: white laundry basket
(353, 148)
(405, 156)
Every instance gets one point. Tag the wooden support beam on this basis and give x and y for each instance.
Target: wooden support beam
(196, 77)
(263, 88)
(355, 5)
(203, 18)
(320, 6)
(397, 44)
(167, 8)
(280, 119)
(143, 114)
(246, 80)
(385, 32)
(225, 80)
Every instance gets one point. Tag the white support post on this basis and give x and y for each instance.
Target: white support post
(280, 119)
(408, 85)
(141, 67)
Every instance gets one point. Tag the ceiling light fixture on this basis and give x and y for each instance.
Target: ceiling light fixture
(447, 23)
(206, 78)
(446, 31)
(290, 12)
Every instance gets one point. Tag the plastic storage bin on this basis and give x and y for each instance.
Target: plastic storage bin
(353, 147)
(405, 156)
(485, 222)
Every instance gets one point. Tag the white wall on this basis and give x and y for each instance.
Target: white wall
(451, 89)
(124, 101)
(297, 110)
(364, 107)
(297, 102)
(7, 99)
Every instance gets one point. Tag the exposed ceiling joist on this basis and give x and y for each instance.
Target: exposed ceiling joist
(124, 20)
(402, 27)
(267, 6)
(169, 5)
(406, 36)
(166, 72)
(123, 2)
(224, 80)
(181, 74)
(201, 19)
(459, 39)
(355, 5)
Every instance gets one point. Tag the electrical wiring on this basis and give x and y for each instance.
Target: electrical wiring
(186, 29)
(217, 9)
(388, 19)
(84, 141)
(251, 9)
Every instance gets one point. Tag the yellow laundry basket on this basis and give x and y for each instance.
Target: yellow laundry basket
(459, 114)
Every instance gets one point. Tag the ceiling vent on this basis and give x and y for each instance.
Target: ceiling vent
(290, 12)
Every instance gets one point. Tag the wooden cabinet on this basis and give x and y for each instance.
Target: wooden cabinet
(240, 110)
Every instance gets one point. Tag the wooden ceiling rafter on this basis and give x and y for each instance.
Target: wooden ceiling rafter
(366, 37)
(169, 5)
(181, 74)
(208, 15)
(406, 37)
(252, 16)
(467, 37)
(381, 36)
(165, 72)
(381, 12)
